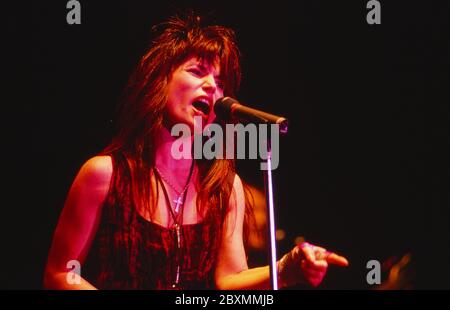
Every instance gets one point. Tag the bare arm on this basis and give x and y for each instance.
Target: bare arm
(305, 263)
(78, 223)
(232, 271)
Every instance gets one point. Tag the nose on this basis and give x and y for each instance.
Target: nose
(209, 84)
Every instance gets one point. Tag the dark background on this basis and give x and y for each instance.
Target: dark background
(363, 171)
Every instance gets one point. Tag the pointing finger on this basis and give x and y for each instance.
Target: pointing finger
(334, 259)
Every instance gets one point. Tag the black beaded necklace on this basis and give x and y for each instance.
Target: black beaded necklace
(177, 219)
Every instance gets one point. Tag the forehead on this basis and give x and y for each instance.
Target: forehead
(204, 64)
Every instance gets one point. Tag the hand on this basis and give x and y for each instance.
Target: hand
(307, 263)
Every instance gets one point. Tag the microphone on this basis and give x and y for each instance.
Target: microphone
(228, 108)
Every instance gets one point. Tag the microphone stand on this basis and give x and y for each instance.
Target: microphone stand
(268, 187)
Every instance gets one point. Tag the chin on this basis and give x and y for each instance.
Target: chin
(188, 119)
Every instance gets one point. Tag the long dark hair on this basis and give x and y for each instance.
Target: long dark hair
(142, 110)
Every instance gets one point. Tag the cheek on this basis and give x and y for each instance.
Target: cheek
(176, 94)
(177, 80)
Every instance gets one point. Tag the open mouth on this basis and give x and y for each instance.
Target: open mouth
(202, 106)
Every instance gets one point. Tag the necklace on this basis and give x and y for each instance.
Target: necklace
(179, 201)
(178, 220)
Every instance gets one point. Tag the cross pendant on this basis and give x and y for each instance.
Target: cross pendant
(178, 203)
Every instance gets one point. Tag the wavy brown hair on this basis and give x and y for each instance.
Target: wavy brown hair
(142, 110)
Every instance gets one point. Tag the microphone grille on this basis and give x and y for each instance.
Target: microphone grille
(222, 107)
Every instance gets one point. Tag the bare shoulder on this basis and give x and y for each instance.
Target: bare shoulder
(93, 180)
(97, 170)
(100, 166)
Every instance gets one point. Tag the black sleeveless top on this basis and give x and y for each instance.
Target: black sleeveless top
(130, 252)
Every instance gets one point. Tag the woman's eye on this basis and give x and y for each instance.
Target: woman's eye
(195, 71)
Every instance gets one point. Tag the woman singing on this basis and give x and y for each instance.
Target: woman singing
(136, 217)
